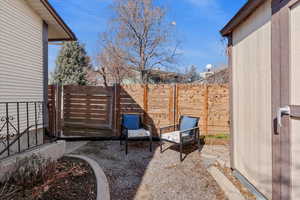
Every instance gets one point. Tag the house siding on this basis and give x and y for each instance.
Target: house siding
(295, 100)
(251, 68)
(21, 58)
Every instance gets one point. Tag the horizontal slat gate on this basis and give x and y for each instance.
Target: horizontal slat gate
(87, 106)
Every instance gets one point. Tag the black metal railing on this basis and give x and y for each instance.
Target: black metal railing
(20, 123)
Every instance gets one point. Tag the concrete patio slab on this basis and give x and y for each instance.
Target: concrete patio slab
(73, 146)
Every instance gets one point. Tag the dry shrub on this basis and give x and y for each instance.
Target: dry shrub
(29, 172)
(32, 171)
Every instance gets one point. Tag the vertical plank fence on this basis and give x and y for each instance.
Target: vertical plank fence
(163, 105)
(160, 105)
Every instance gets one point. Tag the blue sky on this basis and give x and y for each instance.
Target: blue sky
(198, 24)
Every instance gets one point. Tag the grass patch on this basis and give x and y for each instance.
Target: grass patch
(218, 136)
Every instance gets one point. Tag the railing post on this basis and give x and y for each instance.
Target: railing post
(44, 107)
(36, 126)
(27, 120)
(7, 130)
(18, 126)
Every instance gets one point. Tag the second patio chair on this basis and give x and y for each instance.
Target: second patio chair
(132, 128)
(186, 132)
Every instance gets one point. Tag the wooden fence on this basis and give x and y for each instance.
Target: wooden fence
(160, 105)
(164, 104)
(52, 110)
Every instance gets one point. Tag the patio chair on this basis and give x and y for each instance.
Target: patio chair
(186, 132)
(132, 128)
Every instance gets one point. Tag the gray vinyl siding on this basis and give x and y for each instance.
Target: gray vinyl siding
(21, 59)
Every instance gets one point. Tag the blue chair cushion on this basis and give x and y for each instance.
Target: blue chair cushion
(131, 122)
(188, 123)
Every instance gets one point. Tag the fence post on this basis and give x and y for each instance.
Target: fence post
(205, 120)
(117, 108)
(50, 123)
(145, 99)
(176, 103)
(58, 109)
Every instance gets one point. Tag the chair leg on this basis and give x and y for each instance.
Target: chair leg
(199, 144)
(160, 145)
(181, 152)
(150, 144)
(126, 146)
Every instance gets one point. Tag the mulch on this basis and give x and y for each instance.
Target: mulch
(73, 180)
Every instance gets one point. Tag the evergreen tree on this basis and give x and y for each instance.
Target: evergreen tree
(72, 64)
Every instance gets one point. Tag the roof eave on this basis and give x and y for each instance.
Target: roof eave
(241, 15)
(60, 21)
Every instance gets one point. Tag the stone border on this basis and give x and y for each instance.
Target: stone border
(102, 182)
(229, 189)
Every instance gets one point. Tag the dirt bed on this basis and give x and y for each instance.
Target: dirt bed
(73, 180)
(142, 175)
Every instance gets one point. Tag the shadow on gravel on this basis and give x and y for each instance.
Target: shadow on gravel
(145, 175)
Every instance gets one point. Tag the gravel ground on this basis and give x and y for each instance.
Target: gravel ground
(142, 175)
(216, 153)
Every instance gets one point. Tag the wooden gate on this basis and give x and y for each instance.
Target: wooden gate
(81, 110)
(87, 106)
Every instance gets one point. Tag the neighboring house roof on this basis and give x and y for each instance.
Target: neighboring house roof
(241, 15)
(221, 76)
(58, 30)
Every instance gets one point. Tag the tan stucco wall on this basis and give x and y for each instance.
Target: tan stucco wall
(21, 56)
(252, 99)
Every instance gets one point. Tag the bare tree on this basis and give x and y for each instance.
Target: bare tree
(112, 67)
(139, 30)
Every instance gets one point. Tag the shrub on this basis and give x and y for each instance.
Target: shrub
(29, 172)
